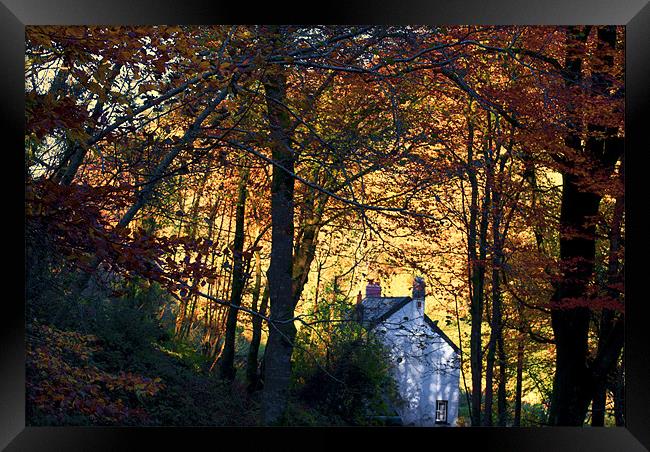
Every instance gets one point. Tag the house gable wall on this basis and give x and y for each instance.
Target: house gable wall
(427, 367)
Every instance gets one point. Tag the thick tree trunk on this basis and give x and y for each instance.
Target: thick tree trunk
(277, 372)
(598, 405)
(575, 381)
(570, 322)
(571, 392)
(227, 368)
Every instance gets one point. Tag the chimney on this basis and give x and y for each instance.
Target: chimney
(419, 292)
(359, 298)
(373, 289)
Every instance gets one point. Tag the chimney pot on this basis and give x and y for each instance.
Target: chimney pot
(418, 288)
(373, 290)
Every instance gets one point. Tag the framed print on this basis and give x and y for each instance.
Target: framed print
(373, 218)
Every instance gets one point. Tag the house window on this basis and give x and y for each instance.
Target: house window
(441, 411)
(419, 304)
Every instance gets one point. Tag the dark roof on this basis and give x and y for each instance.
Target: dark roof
(434, 326)
(377, 309)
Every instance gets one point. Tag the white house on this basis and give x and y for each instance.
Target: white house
(426, 362)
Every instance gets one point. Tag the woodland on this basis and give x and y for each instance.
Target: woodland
(203, 205)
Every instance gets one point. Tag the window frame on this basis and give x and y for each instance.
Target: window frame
(440, 403)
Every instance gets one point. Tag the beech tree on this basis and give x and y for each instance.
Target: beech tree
(575, 377)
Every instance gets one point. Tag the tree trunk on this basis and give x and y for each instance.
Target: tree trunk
(476, 287)
(519, 381)
(479, 292)
(252, 375)
(497, 306)
(495, 321)
(306, 249)
(277, 372)
(619, 393)
(608, 316)
(227, 366)
(570, 323)
(574, 382)
(598, 405)
(502, 406)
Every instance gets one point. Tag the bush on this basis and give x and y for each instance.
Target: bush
(355, 386)
(65, 386)
(341, 371)
(533, 415)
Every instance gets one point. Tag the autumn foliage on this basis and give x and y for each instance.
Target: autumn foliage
(63, 382)
(220, 178)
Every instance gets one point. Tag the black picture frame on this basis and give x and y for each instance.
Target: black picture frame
(634, 14)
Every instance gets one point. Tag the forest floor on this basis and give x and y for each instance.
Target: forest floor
(117, 365)
(76, 379)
